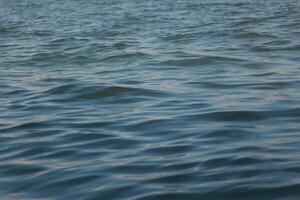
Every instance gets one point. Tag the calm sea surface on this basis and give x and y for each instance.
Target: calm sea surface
(150, 100)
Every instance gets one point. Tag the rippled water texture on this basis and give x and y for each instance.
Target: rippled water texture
(147, 99)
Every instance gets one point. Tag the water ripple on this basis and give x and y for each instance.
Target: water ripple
(143, 100)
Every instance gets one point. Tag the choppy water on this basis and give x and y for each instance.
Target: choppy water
(146, 99)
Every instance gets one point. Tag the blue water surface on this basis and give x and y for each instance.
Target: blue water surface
(150, 100)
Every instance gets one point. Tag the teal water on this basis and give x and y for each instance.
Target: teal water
(146, 99)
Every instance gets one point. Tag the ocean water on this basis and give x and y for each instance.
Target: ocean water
(150, 100)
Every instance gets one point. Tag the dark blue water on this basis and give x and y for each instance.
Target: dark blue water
(147, 99)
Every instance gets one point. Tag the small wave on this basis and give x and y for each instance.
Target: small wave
(229, 134)
(201, 61)
(180, 176)
(43, 33)
(169, 195)
(180, 165)
(74, 92)
(264, 48)
(169, 150)
(47, 56)
(253, 35)
(124, 56)
(115, 90)
(21, 169)
(63, 89)
(244, 115)
(107, 144)
(263, 85)
(87, 136)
